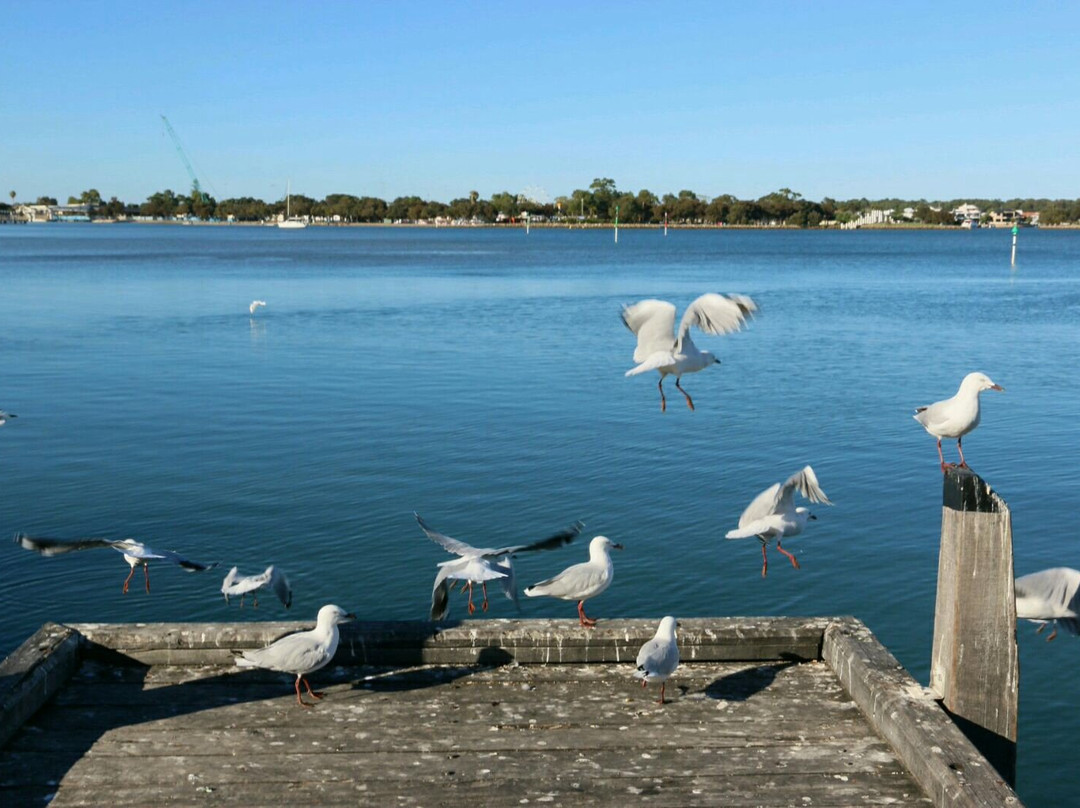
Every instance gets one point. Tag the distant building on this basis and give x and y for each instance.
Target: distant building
(53, 213)
(967, 213)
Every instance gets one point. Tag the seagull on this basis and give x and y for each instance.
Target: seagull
(482, 564)
(1050, 596)
(660, 349)
(255, 304)
(303, 652)
(773, 515)
(136, 554)
(955, 417)
(5, 415)
(274, 578)
(581, 581)
(659, 657)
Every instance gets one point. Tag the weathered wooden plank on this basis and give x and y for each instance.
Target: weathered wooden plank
(472, 642)
(32, 674)
(975, 668)
(781, 790)
(938, 755)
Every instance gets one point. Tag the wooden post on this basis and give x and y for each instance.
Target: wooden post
(974, 669)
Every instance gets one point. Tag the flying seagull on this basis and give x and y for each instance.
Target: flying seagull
(659, 348)
(303, 652)
(1050, 596)
(581, 581)
(273, 578)
(136, 554)
(256, 304)
(482, 564)
(955, 417)
(773, 515)
(659, 657)
(5, 415)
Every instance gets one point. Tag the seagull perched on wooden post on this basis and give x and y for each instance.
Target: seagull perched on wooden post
(659, 348)
(136, 554)
(773, 515)
(955, 417)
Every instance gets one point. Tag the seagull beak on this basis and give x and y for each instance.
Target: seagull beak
(616, 546)
(350, 616)
(812, 517)
(997, 387)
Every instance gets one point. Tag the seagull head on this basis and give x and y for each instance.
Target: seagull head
(600, 546)
(709, 358)
(331, 615)
(980, 381)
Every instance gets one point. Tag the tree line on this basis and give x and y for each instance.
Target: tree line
(601, 202)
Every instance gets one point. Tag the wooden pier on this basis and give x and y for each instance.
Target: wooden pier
(768, 711)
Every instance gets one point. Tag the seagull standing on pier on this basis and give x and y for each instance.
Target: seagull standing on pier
(482, 564)
(659, 348)
(582, 581)
(273, 578)
(136, 554)
(955, 417)
(301, 653)
(773, 515)
(1050, 596)
(659, 657)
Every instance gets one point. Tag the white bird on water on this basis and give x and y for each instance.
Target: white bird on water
(255, 305)
(136, 554)
(659, 348)
(773, 515)
(1050, 596)
(482, 564)
(955, 417)
(273, 578)
(659, 657)
(301, 653)
(581, 581)
(4, 416)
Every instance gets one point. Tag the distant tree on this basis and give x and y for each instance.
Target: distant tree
(12, 195)
(161, 205)
(46, 200)
(603, 195)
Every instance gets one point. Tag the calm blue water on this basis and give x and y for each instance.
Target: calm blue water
(477, 377)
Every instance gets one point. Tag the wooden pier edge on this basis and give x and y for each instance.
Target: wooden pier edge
(34, 672)
(950, 769)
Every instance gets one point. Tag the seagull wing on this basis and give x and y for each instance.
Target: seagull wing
(138, 550)
(716, 314)
(765, 504)
(509, 583)
(550, 543)
(450, 545)
(440, 595)
(653, 322)
(51, 547)
(806, 483)
(279, 583)
(1048, 594)
(657, 658)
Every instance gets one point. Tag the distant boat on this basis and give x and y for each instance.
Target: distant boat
(969, 224)
(290, 223)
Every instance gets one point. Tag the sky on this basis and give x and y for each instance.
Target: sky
(436, 99)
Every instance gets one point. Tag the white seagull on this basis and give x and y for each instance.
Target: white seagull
(581, 581)
(773, 515)
(1050, 596)
(303, 652)
(235, 584)
(955, 417)
(660, 348)
(256, 304)
(136, 554)
(5, 415)
(482, 564)
(659, 657)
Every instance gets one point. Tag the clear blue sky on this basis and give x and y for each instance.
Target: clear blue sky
(935, 100)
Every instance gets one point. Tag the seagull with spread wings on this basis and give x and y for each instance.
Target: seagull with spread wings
(482, 564)
(136, 554)
(661, 349)
(1050, 596)
(272, 578)
(773, 515)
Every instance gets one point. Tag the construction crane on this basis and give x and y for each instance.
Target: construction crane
(196, 190)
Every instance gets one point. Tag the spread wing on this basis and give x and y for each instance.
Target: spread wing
(1049, 594)
(806, 483)
(764, 505)
(279, 584)
(550, 543)
(51, 547)
(450, 545)
(653, 322)
(137, 550)
(440, 595)
(715, 314)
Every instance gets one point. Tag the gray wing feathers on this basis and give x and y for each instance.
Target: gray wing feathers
(716, 314)
(450, 545)
(51, 547)
(653, 322)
